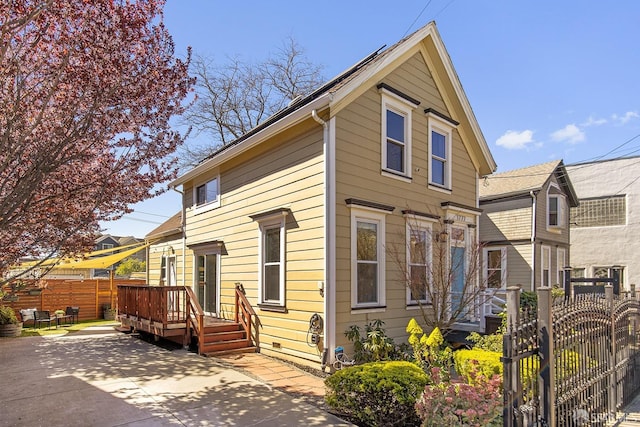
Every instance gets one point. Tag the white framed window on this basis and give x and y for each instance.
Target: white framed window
(419, 260)
(440, 142)
(367, 258)
(562, 262)
(556, 209)
(396, 134)
(272, 258)
(545, 266)
(107, 246)
(207, 195)
(495, 267)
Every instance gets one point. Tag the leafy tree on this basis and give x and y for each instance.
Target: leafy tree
(130, 265)
(235, 97)
(87, 90)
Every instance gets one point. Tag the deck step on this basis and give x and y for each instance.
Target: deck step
(223, 336)
(222, 327)
(251, 349)
(225, 345)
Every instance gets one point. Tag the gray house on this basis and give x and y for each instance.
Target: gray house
(524, 226)
(606, 225)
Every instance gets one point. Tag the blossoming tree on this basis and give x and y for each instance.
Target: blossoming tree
(87, 90)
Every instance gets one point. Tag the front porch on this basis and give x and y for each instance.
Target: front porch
(173, 312)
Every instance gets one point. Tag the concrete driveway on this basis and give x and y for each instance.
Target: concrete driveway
(99, 377)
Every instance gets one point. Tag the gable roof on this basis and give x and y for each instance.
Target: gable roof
(171, 226)
(347, 86)
(524, 180)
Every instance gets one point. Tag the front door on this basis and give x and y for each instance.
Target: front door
(207, 284)
(458, 271)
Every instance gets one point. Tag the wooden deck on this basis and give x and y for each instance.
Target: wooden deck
(173, 312)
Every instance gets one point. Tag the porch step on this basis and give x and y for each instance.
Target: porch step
(220, 346)
(251, 349)
(225, 337)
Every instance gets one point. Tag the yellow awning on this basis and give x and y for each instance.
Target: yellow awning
(99, 262)
(90, 260)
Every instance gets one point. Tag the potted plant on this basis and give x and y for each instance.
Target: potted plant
(59, 313)
(9, 324)
(108, 312)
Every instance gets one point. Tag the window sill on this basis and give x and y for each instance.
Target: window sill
(396, 175)
(368, 309)
(556, 230)
(206, 207)
(415, 306)
(273, 307)
(439, 188)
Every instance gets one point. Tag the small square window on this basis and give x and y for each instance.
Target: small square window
(207, 193)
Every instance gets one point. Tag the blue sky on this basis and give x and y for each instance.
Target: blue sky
(546, 79)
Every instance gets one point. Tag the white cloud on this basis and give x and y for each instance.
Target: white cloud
(570, 134)
(625, 118)
(592, 121)
(513, 140)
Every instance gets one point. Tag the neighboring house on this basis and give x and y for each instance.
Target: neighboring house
(302, 210)
(604, 228)
(167, 254)
(107, 241)
(524, 228)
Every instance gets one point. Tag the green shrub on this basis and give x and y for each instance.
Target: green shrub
(429, 351)
(7, 316)
(373, 344)
(488, 363)
(377, 393)
(491, 342)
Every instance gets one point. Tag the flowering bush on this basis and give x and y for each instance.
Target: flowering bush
(430, 351)
(449, 404)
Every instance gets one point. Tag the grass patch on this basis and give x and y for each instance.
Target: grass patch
(66, 329)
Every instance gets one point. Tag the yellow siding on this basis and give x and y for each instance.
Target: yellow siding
(358, 175)
(287, 172)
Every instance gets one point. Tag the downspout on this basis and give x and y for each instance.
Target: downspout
(184, 239)
(533, 239)
(328, 287)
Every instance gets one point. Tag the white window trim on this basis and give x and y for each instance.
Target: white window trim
(361, 213)
(414, 223)
(562, 262)
(544, 248)
(398, 105)
(209, 205)
(437, 124)
(267, 223)
(503, 265)
(562, 209)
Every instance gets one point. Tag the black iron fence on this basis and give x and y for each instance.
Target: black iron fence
(575, 362)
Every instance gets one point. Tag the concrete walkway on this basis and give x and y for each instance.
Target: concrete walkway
(630, 416)
(99, 377)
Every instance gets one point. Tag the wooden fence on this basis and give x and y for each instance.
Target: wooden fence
(91, 295)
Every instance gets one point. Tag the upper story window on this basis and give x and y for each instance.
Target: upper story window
(107, 246)
(440, 154)
(396, 131)
(207, 195)
(556, 210)
(600, 212)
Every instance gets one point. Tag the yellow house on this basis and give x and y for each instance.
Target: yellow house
(302, 210)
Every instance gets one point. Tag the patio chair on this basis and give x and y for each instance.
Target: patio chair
(40, 317)
(73, 312)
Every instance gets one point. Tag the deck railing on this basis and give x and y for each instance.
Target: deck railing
(166, 305)
(195, 318)
(244, 312)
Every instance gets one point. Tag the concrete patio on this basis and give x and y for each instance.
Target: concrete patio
(99, 377)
